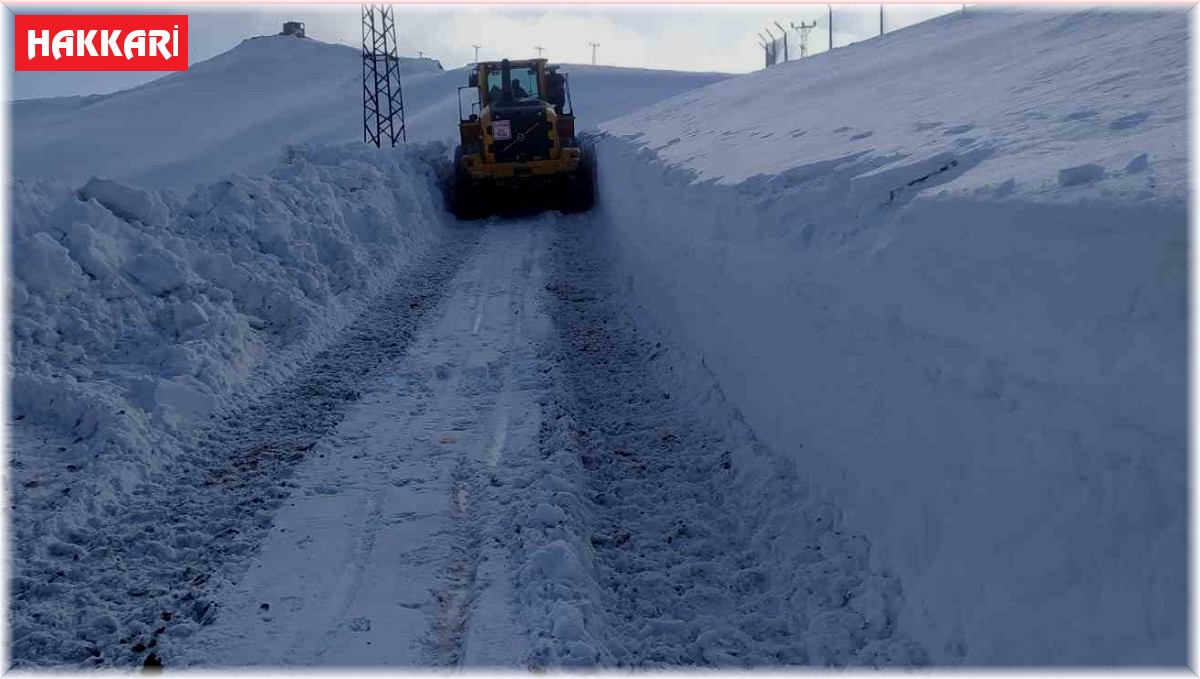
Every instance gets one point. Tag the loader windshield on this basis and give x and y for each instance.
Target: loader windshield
(523, 86)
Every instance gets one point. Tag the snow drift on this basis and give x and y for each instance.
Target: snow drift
(945, 271)
(232, 113)
(138, 314)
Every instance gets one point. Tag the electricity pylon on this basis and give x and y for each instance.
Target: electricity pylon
(383, 104)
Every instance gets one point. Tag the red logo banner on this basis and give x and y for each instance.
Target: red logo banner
(101, 42)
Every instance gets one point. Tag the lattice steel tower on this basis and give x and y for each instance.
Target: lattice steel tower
(383, 104)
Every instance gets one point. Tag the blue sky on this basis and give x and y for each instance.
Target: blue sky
(692, 38)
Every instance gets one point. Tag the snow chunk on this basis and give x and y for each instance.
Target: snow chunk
(557, 560)
(567, 621)
(95, 252)
(552, 483)
(44, 265)
(1080, 174)
(189, 315)
(65, 550)
(1131, 120)
(157, 270)
(880, 187)
(184, 400)
(126, 202)
(547, 515)
(1139, 164)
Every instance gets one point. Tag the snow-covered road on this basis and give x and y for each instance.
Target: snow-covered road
(539, 481)
(387, 553)
(498, 463)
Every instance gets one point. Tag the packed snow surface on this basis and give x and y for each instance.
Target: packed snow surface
(945, 271)
(234, 112)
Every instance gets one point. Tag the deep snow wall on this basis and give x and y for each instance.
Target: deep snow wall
(138, 315)
(981, 360)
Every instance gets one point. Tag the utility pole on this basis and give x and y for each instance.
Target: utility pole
(881, 19)
(802, 32)
(539, 49)
(420, 54)
(785, 46)
(830, 26)
(594, 46)
(476, 53)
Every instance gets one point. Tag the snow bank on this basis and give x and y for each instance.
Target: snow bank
(945, 272)
(137, 314)
(233, 113)
(658, 531)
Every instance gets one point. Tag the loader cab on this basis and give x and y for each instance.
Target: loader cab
(526, 83)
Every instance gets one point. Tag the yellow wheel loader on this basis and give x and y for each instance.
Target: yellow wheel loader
(518, 148)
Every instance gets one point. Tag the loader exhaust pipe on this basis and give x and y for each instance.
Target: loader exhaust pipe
(506, 79)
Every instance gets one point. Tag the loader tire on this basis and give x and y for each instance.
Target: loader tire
(581, 190)
(464, 198)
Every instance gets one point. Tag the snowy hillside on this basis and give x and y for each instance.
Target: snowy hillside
(946, 270)
(239, 108)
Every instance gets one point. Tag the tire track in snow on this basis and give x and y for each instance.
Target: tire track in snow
(457, 598)
(478, 483)
(421, 577)
(435, 415)
(350, 584)
(410, 580)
